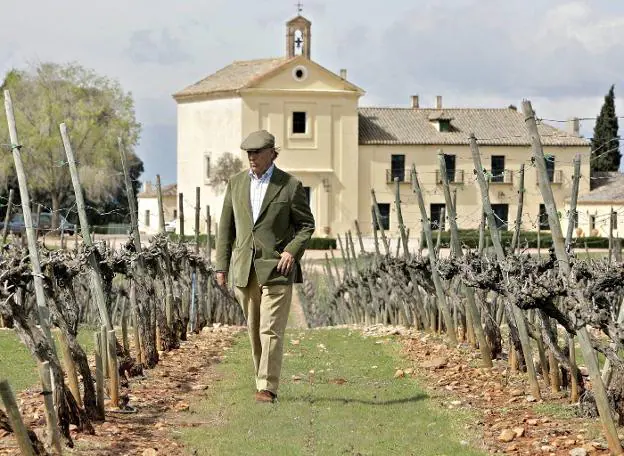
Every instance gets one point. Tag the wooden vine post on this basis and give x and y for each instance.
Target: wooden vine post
(181, 215)
(437, 281)
(384, 240)
(375, 228)
(515, 240)
(113, 369)
(19, 429)
(486, 353)
(97, 285)
(397, 202)
(589, 355)
(54, 435)
(99, 374)
(500, 255)
(572, 219)
(168, 280)
(42, 309)
(359, 235)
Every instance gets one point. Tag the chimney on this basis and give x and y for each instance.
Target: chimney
(148, 188)
(439, 102)
(415, 102)
(574, 126)
(343, 73)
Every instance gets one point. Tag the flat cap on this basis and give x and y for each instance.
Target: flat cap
(257, 140)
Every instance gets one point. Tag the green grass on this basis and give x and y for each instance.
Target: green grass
(556, 410)
(19, 367)
(371, 414)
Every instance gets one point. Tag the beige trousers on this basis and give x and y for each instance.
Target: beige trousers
(266, 310)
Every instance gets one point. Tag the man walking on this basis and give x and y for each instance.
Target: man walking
(265, 225)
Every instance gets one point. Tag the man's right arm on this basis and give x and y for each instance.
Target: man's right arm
(227, 234)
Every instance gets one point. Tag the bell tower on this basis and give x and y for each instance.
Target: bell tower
(298, 35)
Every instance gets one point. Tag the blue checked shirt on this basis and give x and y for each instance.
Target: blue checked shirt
(258, 189)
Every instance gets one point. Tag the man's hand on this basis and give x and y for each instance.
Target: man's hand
(221, 279)
(286, 263)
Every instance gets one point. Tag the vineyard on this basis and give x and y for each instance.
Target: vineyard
(533, 311)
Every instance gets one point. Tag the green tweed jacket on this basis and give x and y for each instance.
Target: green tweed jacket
(285, 224)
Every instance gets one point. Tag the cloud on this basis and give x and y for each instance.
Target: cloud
(153, 46)
(559, 50)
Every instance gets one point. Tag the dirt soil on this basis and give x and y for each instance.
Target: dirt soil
(508, 419)
(182, 376)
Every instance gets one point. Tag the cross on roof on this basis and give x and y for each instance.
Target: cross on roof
(299, 6)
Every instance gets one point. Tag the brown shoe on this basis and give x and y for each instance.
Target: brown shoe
(265, 396)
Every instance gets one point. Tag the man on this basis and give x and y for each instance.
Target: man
(265, 225)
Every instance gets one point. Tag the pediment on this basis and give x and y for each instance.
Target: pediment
(303, 74)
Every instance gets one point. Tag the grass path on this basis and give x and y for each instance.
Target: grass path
(338, 397)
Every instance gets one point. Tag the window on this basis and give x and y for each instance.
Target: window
(498, 168)
(449, 161)
(384, 211)
(147, 217)
(543, 218)
(592, 223)
(175, 214)
(436, 217)
(550, 167)
(299, 119)
(445, 125)
(501, 215)
(207, 166)
(397, 164)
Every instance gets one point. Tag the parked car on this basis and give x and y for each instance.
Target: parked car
(17, 225)
(171, 226)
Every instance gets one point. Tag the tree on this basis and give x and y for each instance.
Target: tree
(96, 111)
(227, 165)
(605, 143)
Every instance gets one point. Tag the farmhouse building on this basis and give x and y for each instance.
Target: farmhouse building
(340, 150)
(149, 218)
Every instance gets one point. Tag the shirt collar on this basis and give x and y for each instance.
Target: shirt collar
(265, 177)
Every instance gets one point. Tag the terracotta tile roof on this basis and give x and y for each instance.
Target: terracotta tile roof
(233, 77)
(609, 189)
(150, 190)
(491, 127)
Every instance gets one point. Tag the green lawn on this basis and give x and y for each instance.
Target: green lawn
(17, 364)
(372, 413)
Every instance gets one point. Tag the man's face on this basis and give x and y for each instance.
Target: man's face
(260, 160)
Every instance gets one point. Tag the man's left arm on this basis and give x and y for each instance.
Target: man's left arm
(303, 221)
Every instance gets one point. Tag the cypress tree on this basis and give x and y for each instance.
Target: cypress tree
(605, 143)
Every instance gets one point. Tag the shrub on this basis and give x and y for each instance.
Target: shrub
(317, 243)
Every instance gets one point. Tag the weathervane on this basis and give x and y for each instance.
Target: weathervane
(299, 6)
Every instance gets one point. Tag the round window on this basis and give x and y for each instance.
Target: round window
(300, 73)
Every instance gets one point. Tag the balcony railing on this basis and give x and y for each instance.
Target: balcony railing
(455, 176)
(555, 176)
(404, 175)
(502, 176)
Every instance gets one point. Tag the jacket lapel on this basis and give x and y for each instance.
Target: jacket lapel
(246, 187)
(275, 185)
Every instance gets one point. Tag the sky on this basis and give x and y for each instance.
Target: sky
(562, 55)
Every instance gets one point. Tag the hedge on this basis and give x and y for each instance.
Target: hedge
(470, 238)
(317, 243)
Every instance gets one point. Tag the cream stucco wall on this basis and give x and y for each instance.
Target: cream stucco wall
(205, 128)
(600, 213)
(148, 210)
(375, 160)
